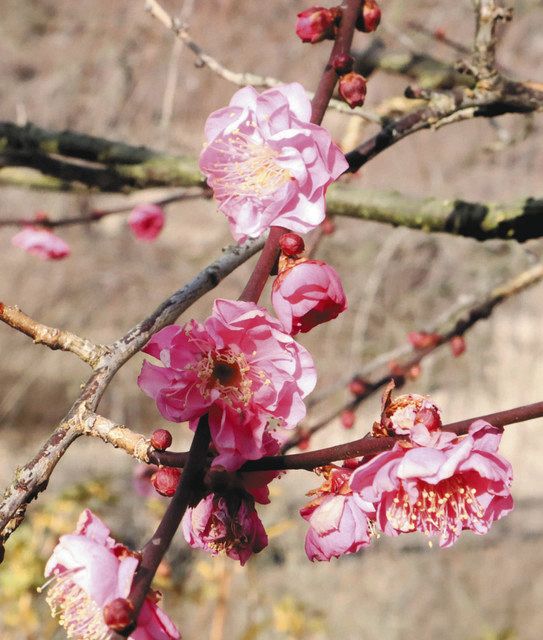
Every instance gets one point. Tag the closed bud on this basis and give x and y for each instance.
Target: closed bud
(370, 17)
(118, 614)
(291, 244)
(348, 418)
(357, 386)
(342, 63)
(161, 439)
(458, 345)
(352, 88)
(328, 226)
(316, 24)
(423, 340)
(165, 481)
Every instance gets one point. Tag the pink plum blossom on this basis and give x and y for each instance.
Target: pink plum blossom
(41, 243)
(440, 487)
(242, 369)
(339, 519)
(88, 570)
(307, 293)
(227, 525)
(406, 411)
(147, 221)
(267, 164)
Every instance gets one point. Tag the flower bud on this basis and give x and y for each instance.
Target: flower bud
(342, 63)
(352, 88)
(118, 614)
(458, 345)
(328, 226)
(304, 442)
(316, 24)
(146, 221)
(423, 340)
(348, 418)
(165, 481)
(357, 386)
(161, 439)
(291, 244)
(370, 17)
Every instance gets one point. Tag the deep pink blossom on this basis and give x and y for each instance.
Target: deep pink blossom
(267, 164)
(86, 571)
(306, 294)
(41, 243)
(227, 525)
(440, 484)
(241, 368)
(147, 221)
(339, 519)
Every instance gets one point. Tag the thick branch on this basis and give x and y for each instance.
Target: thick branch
(53, 338)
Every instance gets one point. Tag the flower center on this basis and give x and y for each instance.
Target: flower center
(246, 168)
(439, 508)
(226, 372)
(80, 616)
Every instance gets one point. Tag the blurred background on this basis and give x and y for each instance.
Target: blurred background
(109, 69)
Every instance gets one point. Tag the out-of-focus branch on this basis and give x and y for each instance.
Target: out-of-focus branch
(53, 338)
(241, 79)
(519, 220)
(32, 477)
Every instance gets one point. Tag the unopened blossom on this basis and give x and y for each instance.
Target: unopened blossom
(316, 24)
(339, 519)
(423, 339)
(41, 243)
(406, 411)
(147, 221)
(352, 88)
(307, 293)
(267, 164)
(225, 524)
(370, 17)
(242, 369)
(88, 570)
(448, 485)
(458, 345)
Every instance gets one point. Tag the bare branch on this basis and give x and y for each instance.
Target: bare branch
(53, 338)
(241, 79)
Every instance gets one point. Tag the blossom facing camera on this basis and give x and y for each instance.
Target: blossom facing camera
(339, 519)
(267, 164)
(316, 24)
(88, 571)
(147, 221)
(41, 243)
(457, 483)
(228, 525)
(306, 294)
(242, 369)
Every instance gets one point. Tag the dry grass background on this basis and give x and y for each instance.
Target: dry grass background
(102, 68)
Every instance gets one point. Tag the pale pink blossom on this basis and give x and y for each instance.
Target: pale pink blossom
(448, 485)
(41, 243)
(86, 571)
(242, 369)
(225, 524)
(339, 519)
(306, 294)
(267, 164)
(146, 221)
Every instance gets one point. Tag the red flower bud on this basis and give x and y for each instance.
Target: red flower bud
(165, 480)
(458, 345)
(118, 614)
(303, 444)
(342, 63)
(352, 88)
(316, 24)
(357, 386)
(348, 419)
(414, 372)
(291, 244)
(328, 226)
(370, 17)
(423, 340)
(439, 33)
(161, 439)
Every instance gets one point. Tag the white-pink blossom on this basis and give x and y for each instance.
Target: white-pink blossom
(267, 164)
(41, 243)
